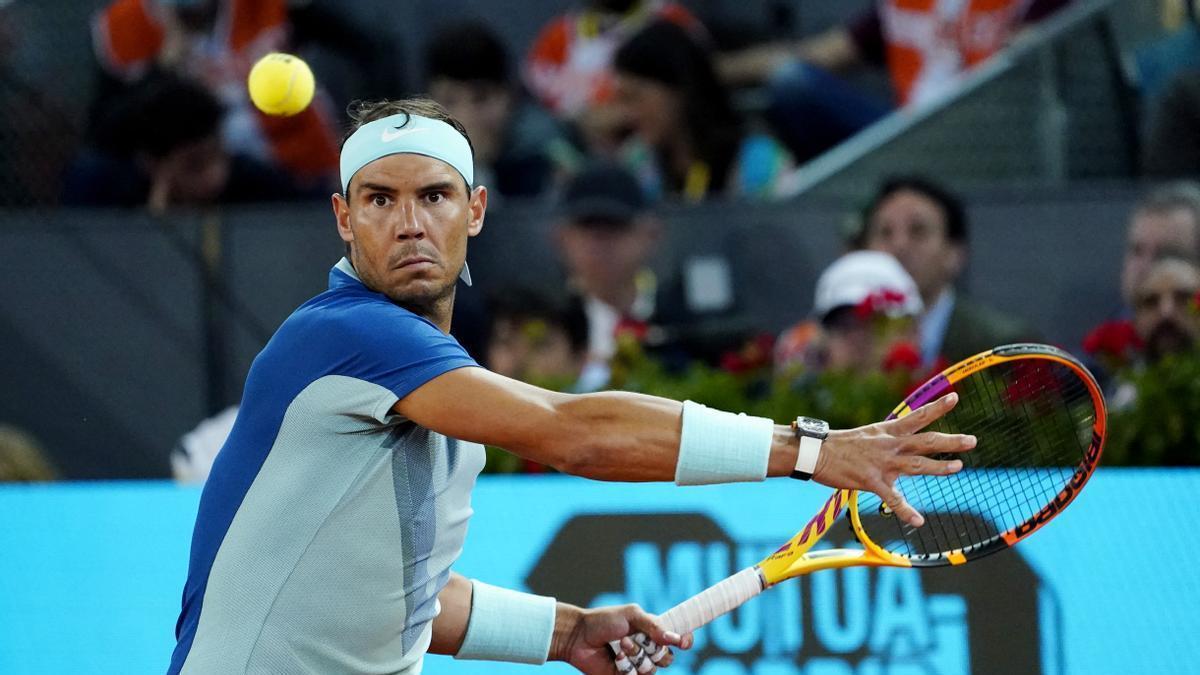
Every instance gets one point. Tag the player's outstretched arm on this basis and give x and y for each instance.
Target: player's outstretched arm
(633, 437)
(509, 628)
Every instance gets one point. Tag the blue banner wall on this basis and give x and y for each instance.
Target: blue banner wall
(91, 574)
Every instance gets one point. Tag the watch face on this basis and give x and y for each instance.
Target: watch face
(812, 426)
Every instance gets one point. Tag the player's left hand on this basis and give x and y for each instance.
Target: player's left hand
(581, 638)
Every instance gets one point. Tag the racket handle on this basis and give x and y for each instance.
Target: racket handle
(721, 598)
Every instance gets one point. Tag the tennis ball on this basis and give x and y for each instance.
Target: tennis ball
(281, 84)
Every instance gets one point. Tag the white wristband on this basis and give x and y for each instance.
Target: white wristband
(721, 447)
(508, 626)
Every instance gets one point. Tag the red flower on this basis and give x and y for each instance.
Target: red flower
(879, 302)
(902, 356)
(631, 327)
(1113, 339)
(1027, 380)
(755, 354)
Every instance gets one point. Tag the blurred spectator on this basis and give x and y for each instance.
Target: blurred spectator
(22, 459)
(216, 42)
(568, 67)
(689, 141)
(539, 337)
(1166, 222)
(37, 135)
(925, 46)
(607, 236)
(925, 228)
(864, 319)
(1172, 147)
(520, 151)
(1164, 311)
(160, 147)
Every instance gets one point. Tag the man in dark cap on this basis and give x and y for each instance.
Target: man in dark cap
(608, 236)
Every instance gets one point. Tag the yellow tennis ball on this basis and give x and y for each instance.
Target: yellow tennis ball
(281, 84)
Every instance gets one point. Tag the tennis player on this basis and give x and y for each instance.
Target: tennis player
(328, 527)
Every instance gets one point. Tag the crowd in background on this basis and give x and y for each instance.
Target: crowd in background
(616, 108)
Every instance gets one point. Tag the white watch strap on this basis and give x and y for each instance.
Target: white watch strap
(806, 459)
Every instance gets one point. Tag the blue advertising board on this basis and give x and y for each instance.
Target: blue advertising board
(91, 575)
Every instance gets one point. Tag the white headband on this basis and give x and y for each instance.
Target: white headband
(406, 133)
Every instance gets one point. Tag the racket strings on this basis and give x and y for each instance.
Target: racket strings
(1033, 419)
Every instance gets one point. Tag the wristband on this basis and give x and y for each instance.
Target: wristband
(508, 626)
(721, 447)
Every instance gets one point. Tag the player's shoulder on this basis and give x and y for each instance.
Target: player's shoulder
(355, 314)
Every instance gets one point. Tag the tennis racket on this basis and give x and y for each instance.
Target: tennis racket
(1039, 419)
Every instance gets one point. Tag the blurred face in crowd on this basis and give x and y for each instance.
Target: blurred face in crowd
(406, 220)
(533, 350)
(1163, 314)
(854, 344)
(649, 108)
(1153, 234)
(912, 227)
(605, 257)
(193, 173)
(483, 108)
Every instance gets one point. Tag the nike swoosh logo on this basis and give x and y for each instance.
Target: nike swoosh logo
(390, 135)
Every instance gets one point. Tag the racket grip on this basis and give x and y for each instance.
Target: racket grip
(721, 598)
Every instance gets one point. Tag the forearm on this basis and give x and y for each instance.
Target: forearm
(450, 625)
(634, 437)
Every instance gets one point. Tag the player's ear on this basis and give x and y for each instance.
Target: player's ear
(341, 213)
(477, 203)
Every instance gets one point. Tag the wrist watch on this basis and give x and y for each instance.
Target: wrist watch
(812, 433)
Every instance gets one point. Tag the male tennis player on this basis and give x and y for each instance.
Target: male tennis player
(333, 514)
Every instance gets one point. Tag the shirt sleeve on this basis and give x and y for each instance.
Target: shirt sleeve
(396, 349)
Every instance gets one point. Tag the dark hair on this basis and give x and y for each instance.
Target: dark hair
(666, 53)
(559, 308)
(952, 209)
(364, 112)
(158, 115)
(467, 51)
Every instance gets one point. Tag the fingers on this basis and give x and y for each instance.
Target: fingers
(660, 654)
(620, 659)
(637, 657)
(926, 414)
(915, 465)
(933, 443)
(900, 506)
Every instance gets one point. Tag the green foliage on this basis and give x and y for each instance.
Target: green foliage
(1161, 425)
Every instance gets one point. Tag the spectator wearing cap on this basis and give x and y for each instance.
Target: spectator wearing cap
(864, 316)
(520, 150)
(607, 236)
(925, 227)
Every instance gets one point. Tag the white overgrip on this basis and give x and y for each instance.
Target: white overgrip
(721, 598)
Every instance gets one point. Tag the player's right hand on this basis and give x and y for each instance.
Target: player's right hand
(582, 637)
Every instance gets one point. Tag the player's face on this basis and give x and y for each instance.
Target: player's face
(912, 228)
(1153, 234)
(407, 223)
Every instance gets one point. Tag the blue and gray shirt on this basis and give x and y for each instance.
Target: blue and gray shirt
(328, 525)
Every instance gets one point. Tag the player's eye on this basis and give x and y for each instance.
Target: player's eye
(380, 200)
(436, 197)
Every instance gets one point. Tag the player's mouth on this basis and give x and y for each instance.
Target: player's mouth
(414, 263)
